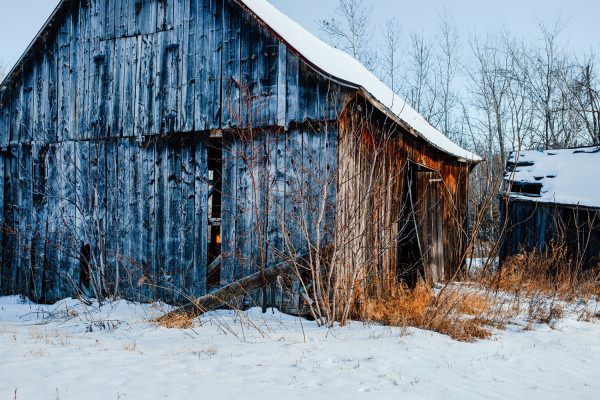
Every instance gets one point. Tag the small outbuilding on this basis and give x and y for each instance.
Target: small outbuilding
(552, 197)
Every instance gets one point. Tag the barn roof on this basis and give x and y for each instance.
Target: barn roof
(567, 177)
(331, 62)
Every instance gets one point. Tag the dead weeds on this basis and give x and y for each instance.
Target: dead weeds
(453, 311)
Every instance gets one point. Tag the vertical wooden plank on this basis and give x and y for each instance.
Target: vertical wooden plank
(162, 223)
(177, 66)
(118, 96)
(130, 79)
(161, 77)
(200, 215)
(5, 117)
(148, 205)
(268, 63)
(142, 17)
(85, 217)
(307, 93)
(64, 79)
(124, 257)
(115, 116)
(244, 212)
(173, 218)
(292, 88)
(281, 84)
(133, 16)
(294, 193)
(208, 64)
(113, 232)
(25, 218)
(98, 63)
(188, 92)
(251, 101)
(164, 19)
(106, 90)
(51, 94)
(230, 102)
(9, 237)
(16, 110)
(18, 224)
(53, 180)
(144, 105)
(30, 72)
(85, 74)
(229, 209)
(201, 64)
(107, 14)
(135, 207)
(331, 176)
(121, 15)
(277, 178)
(74, 71)
(186, 231)
(214, 64)
(69, 248)
(36, 112)
(167, 92)
(312, 154)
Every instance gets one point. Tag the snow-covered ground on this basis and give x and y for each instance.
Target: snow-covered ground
(66, 351)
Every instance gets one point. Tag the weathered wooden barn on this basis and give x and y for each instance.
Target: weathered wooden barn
(552, 197)
(161, 148)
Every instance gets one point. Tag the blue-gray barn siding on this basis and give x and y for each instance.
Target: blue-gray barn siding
(121, 96)
(532, 226)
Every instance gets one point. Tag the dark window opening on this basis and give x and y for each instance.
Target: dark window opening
(526, 188)
(215, 186)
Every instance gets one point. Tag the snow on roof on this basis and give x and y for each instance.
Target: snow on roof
(344, 67)
(570, 176)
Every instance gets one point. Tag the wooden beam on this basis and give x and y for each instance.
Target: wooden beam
(226, 295)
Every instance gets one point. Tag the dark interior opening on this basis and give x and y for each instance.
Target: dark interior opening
(84, 265)
(409, 265)
(530, 188)
(215, 173)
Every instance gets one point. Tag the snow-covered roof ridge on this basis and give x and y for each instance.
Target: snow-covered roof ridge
(567, 176)
(344, 67)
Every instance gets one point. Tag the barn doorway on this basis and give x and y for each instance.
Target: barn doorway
(409, 265)
(215, 190)
(429, 190)
(420, 254)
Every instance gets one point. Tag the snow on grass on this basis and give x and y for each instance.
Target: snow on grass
(69, 351)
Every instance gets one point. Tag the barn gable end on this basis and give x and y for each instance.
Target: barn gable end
(133, 68)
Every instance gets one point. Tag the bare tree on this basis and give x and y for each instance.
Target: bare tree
(448, 43)
(391, 54)
(351, 31)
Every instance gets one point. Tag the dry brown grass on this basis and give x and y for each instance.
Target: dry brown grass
(176, 321)
(546, 283)
(550, 273)
(454, 311)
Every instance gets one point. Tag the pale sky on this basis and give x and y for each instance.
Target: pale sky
(20, 20)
